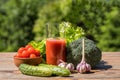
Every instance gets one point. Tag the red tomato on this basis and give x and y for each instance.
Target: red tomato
(20, 50)
(19, 55)
(25, 54)
(31, 50)
(33, 56)
(37, 52)
(28, 46)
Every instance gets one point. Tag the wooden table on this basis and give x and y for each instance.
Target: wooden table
(108, 69)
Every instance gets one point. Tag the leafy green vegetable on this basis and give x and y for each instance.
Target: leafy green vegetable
(41, 46)
(93, 54)
(70, 32)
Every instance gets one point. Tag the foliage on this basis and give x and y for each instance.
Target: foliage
(24, 20)
(109, 33)
(52, 12)
(99, 19)
(70, 32)
(16, 23)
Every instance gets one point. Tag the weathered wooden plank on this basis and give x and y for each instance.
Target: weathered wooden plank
(108, 69)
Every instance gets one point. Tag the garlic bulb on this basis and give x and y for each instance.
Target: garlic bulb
(63, 64)
(70, 66)
(83, 67)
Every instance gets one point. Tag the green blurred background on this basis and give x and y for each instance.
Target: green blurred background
(22, 21)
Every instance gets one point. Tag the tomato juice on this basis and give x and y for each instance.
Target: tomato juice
(55, 50)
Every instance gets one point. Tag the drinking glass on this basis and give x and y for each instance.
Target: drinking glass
(55, 45)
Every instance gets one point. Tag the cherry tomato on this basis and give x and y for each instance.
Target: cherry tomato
(19, 55)
(25, 54)
(28, 46)
(33, 56)
(37, 52)
(20, 50)
(31, 50)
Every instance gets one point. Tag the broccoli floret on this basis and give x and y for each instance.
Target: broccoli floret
(92, 52)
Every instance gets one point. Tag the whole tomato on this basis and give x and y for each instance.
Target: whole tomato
(31, 50)
(25, 54)
(19, 55)
(21, 49)
(28, 46)
(37, 52)
(33, 56)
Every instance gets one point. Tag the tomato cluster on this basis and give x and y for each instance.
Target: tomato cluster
(27, 52)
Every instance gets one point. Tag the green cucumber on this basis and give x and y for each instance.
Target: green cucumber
(56, 70)
(35, 70)
(43, 70)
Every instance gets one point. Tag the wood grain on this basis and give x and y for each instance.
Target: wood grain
(107, 69)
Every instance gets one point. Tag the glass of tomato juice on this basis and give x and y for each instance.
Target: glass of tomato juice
(55, 46)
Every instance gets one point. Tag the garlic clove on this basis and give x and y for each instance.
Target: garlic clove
(70, 66)
(88, 67)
